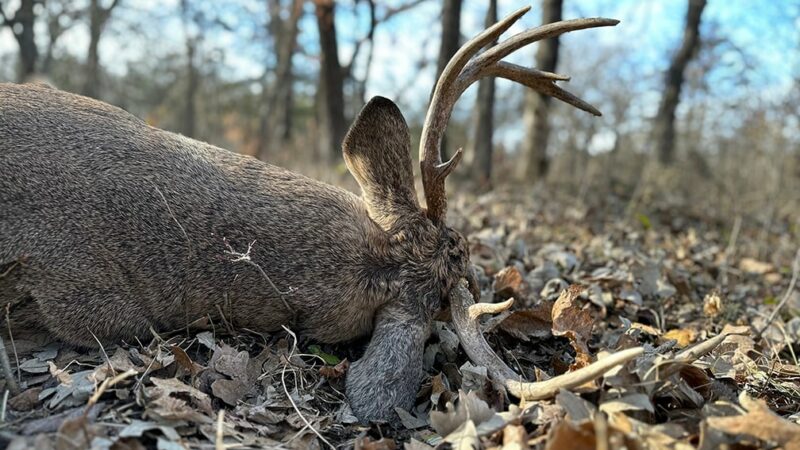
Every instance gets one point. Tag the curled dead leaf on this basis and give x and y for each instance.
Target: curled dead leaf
(508, 283)
(683, 336)
(759, 422)
(574, 322)
(336, 371)
(529, 323)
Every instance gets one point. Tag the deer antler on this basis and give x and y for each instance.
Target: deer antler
(463, 69)
(465, 318)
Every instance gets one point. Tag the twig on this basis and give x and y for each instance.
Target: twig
(245, 258)
(786, 295)
(737, 225)
(3, 406)
(102, 349)
(11, 383)
(289, 396)
(219, 444)
(107, 383)
(13, 344)
(169, 209)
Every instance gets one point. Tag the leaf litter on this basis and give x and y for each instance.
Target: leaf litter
(719, 368)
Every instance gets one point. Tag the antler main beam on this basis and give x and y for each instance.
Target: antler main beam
(464, 69)
(465, 319)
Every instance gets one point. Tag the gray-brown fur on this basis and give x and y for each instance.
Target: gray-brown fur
(112, 226)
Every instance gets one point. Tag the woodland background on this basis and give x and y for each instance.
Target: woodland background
(700, 99)
(677, 211)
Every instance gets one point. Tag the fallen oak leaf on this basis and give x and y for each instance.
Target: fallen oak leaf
(574, 322)
(242, 370)
(759, 422)
(61, 375)
(184, 361)
(536, 322)
(684, 336)
(167, 387)
(509, 283)
(336, 371)
(366, 443)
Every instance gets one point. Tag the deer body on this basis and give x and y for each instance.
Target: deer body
(115, 227)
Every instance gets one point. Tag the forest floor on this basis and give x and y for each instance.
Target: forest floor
(720, 365)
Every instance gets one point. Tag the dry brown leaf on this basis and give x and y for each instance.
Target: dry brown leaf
(684, 336)
(646, 328)
(61, 375)
(74, 434)
(166, 387)
(509, 283)
(755, 266)
(336, 371)
(128, 444)
(25, 400)
(171, 408)
(712, 304)
(230, 391)
(567, 435)
(529, 323)
(226, 360)
(242, 370)
(759, 422)
(366, 443)
(574, 322)
(120, 362)
(183, 360)
(469, 408)
(515, 438)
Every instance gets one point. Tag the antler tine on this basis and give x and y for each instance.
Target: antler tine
(444, 97)
(464, 69)
(547, 31)
(539, 81)
(465, 318)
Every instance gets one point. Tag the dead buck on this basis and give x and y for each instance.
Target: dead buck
(110, 227)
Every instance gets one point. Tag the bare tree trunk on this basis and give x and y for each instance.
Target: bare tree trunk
(285, 75)
(451, 35)
(538, 105)
(98, 16)
(189, 125)
(276, 118)
(192, 83)
(331, 80)
(664, 124)
(481, 153)
(21, 25)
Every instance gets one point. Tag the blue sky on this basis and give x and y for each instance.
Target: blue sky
(759, 54)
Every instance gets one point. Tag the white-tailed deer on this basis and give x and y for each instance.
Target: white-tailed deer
(110, 227)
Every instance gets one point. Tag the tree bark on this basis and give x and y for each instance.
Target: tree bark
(189, 125)
(331, 81)
(276, 119)
(538, 105)
(451, 35)
(285, 75)
(664, 124)
(481, 152)
(192, 84)
(98, 16)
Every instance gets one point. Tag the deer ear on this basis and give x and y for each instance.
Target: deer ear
(377, 150)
